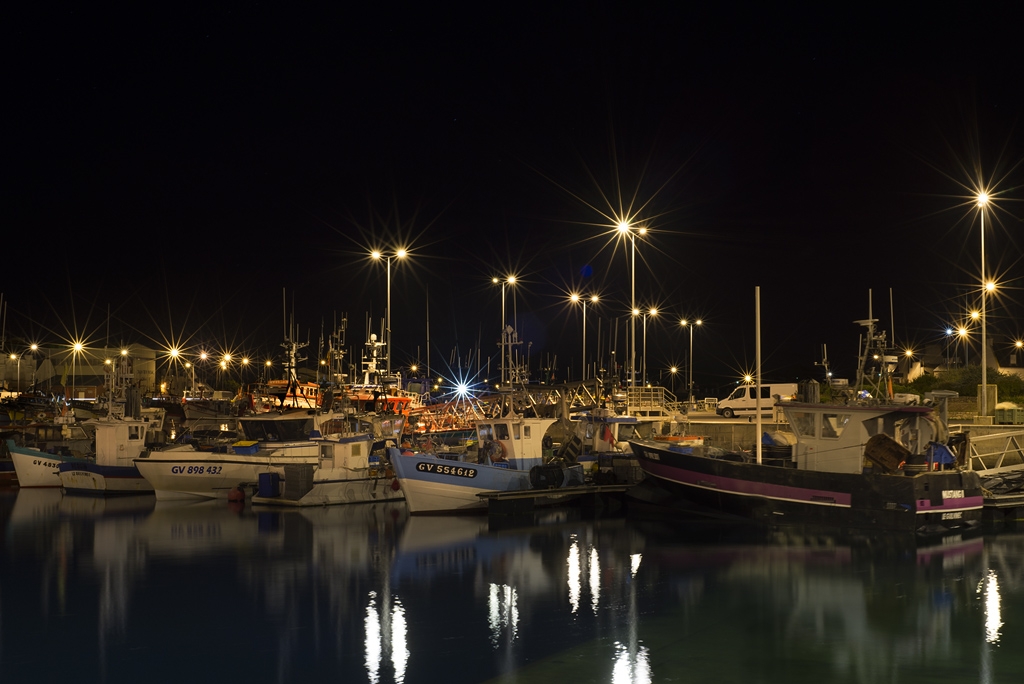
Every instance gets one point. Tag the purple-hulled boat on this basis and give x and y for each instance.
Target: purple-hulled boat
(885, 467)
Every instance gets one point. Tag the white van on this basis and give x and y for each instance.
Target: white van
(743, 400)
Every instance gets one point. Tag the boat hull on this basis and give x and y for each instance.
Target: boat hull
(927, 501)
(437, 485)
(209, 475)
(331, 487)
(99, 480)
(37, 468)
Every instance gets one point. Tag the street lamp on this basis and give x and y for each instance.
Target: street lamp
(962, 334)
(506, 355)
(691, 326)
(652, 312)
(625, 228)
(575, 298)
(399, 254)
(18, 358)
(949, 335)
(673, 370)
(985, 287)
(189, 366)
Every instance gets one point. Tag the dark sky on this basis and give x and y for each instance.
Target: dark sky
(182, 167)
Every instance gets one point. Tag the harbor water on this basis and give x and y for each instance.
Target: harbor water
(131, 590)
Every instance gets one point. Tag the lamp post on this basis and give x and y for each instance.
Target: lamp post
(34, 348)
(575, 298)
(652, 312)
(399, 254)
(174, 353)
(76, 349)
(625, 228)
(189, 366)
(506, 343)
(673, 370)
(962, 334)
(949, 335)
(18, 358)
(687, 324)
(985, 287)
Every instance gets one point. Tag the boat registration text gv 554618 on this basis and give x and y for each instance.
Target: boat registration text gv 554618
(445, 469)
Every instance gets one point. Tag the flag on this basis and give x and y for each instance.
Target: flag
(608, 436)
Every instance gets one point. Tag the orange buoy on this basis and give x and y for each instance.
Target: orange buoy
(237, 494)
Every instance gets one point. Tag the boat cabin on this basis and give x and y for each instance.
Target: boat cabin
(832, 438)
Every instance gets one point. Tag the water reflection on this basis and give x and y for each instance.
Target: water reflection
(130, 587)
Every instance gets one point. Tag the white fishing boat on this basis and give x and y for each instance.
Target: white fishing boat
(349, 470)
(36, 468)
(268, 443)
(121, 436)
(511, 457)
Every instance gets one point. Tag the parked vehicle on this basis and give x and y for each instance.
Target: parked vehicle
(743, 400)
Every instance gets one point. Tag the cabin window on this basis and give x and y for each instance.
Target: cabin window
(526, 432)
(515, 431)
(803, 424)
(833, 424)
(501, 431)
(485, 432)
(134, 432)
(589, 433)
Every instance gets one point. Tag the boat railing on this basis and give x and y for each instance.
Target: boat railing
(650, 401)
(994, 457)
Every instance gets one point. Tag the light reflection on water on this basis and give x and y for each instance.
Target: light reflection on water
(119, 590)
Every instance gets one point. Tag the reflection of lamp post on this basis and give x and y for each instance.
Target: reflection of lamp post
(985, 287)
(691, 326)
(400, 254)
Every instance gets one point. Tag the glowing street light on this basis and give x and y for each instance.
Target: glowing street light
(575, 298)
(399, 254)
(691, 325)
(961, 332)
(76, 349)
(985, 289)
(673, 370)
(625, 228)
(652, 312)
(506, 341)
(17, 357)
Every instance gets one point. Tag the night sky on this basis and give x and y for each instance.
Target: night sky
(180, 168)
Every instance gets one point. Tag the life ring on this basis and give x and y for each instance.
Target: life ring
(496, 452)
(41, 415)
